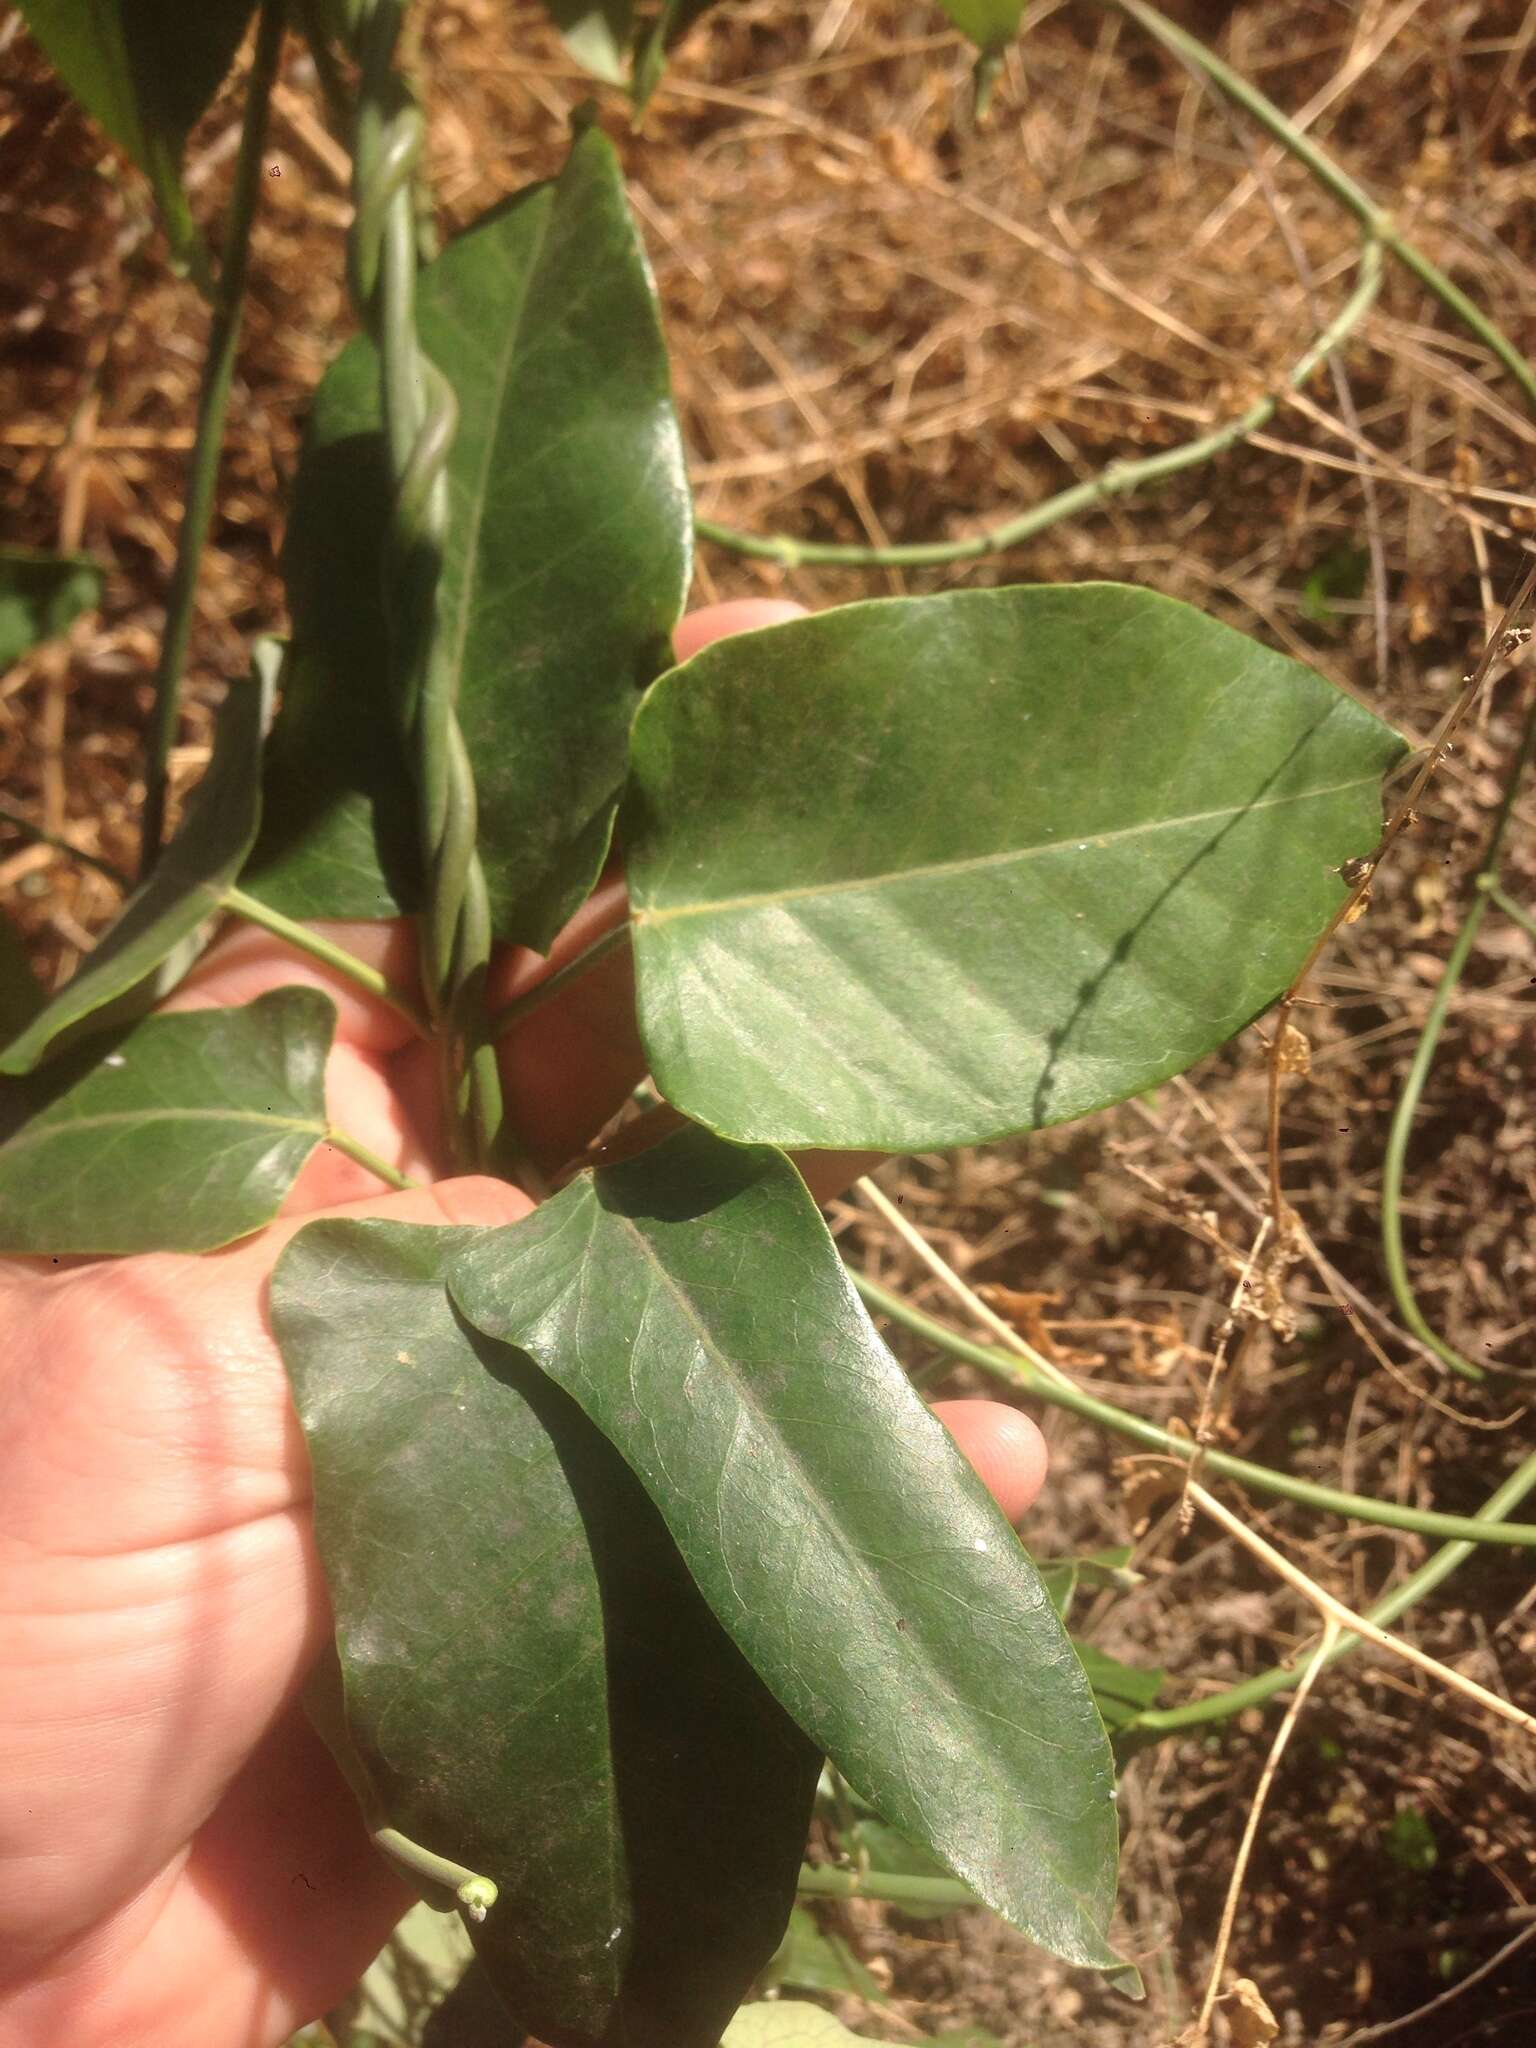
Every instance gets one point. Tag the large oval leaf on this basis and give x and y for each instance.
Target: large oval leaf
(155, 935)
(693, 1303)
(146, 69)
(925, 871)
(533, 1685)
(181, 1135)
(566, 565)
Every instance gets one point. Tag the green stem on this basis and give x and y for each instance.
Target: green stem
(1334, 179)
(523, 1006)
(307, 940)
(1119, 478)
(1395, 1156)
(212, 405)
(474, 1893)
(1116, 481)
(420, 418)
(1037, 1378)
(821, 1881)
(1157, 1722)
(366, 1156)
(23, 824)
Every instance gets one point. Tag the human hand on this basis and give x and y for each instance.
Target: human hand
(180, 1861)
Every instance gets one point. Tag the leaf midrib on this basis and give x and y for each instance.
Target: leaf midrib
(977, 862)
(42, 1132)
(741, 1386)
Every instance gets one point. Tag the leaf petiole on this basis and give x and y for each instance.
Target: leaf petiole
(476, 1895)
(308, 940)
(366, 1156)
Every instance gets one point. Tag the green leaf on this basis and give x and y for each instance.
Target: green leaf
(693, 1303)
(786, 2024)
(1120, 1691)
(671, 23)
(925, 871)
(21, 993)
(809, 1960)
(597, 33)
(889, 1850)
(40, 596)
(157, 932)
(533, 1686)
(146, 69)
(417, 1968)
(990, 24)
(566, 565)
(182, 1134)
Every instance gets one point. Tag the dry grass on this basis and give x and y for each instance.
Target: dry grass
(887, 323)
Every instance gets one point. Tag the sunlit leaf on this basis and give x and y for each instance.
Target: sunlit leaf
(156, 933)
(533, 1685)
(566, 565)
(693, 1303)
(786, 2024)
(925, 871)
(179, 1135)
(40, 596)
(145, 69)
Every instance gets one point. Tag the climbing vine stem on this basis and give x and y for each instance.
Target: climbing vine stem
(1118, 480)
(420, 418)
(1042, 1384)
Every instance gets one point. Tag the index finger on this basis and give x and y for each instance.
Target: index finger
(245, 962)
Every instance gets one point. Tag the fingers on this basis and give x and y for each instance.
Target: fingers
(572, 1063)
(470, 1198)
(246, 962)
(1005, 1447)
(740, 615)
(360, 1097)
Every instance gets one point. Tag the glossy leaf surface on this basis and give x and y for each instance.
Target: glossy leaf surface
(693, 1303)
(566, 565)
(809, 1960)
(122, 976)
(926, 871)
(145, 69)
(179, 1135)
(40, 595)
(534, 1687)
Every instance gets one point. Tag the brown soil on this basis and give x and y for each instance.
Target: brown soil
(890, 323)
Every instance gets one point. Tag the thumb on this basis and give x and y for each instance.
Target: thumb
(470, 1198)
